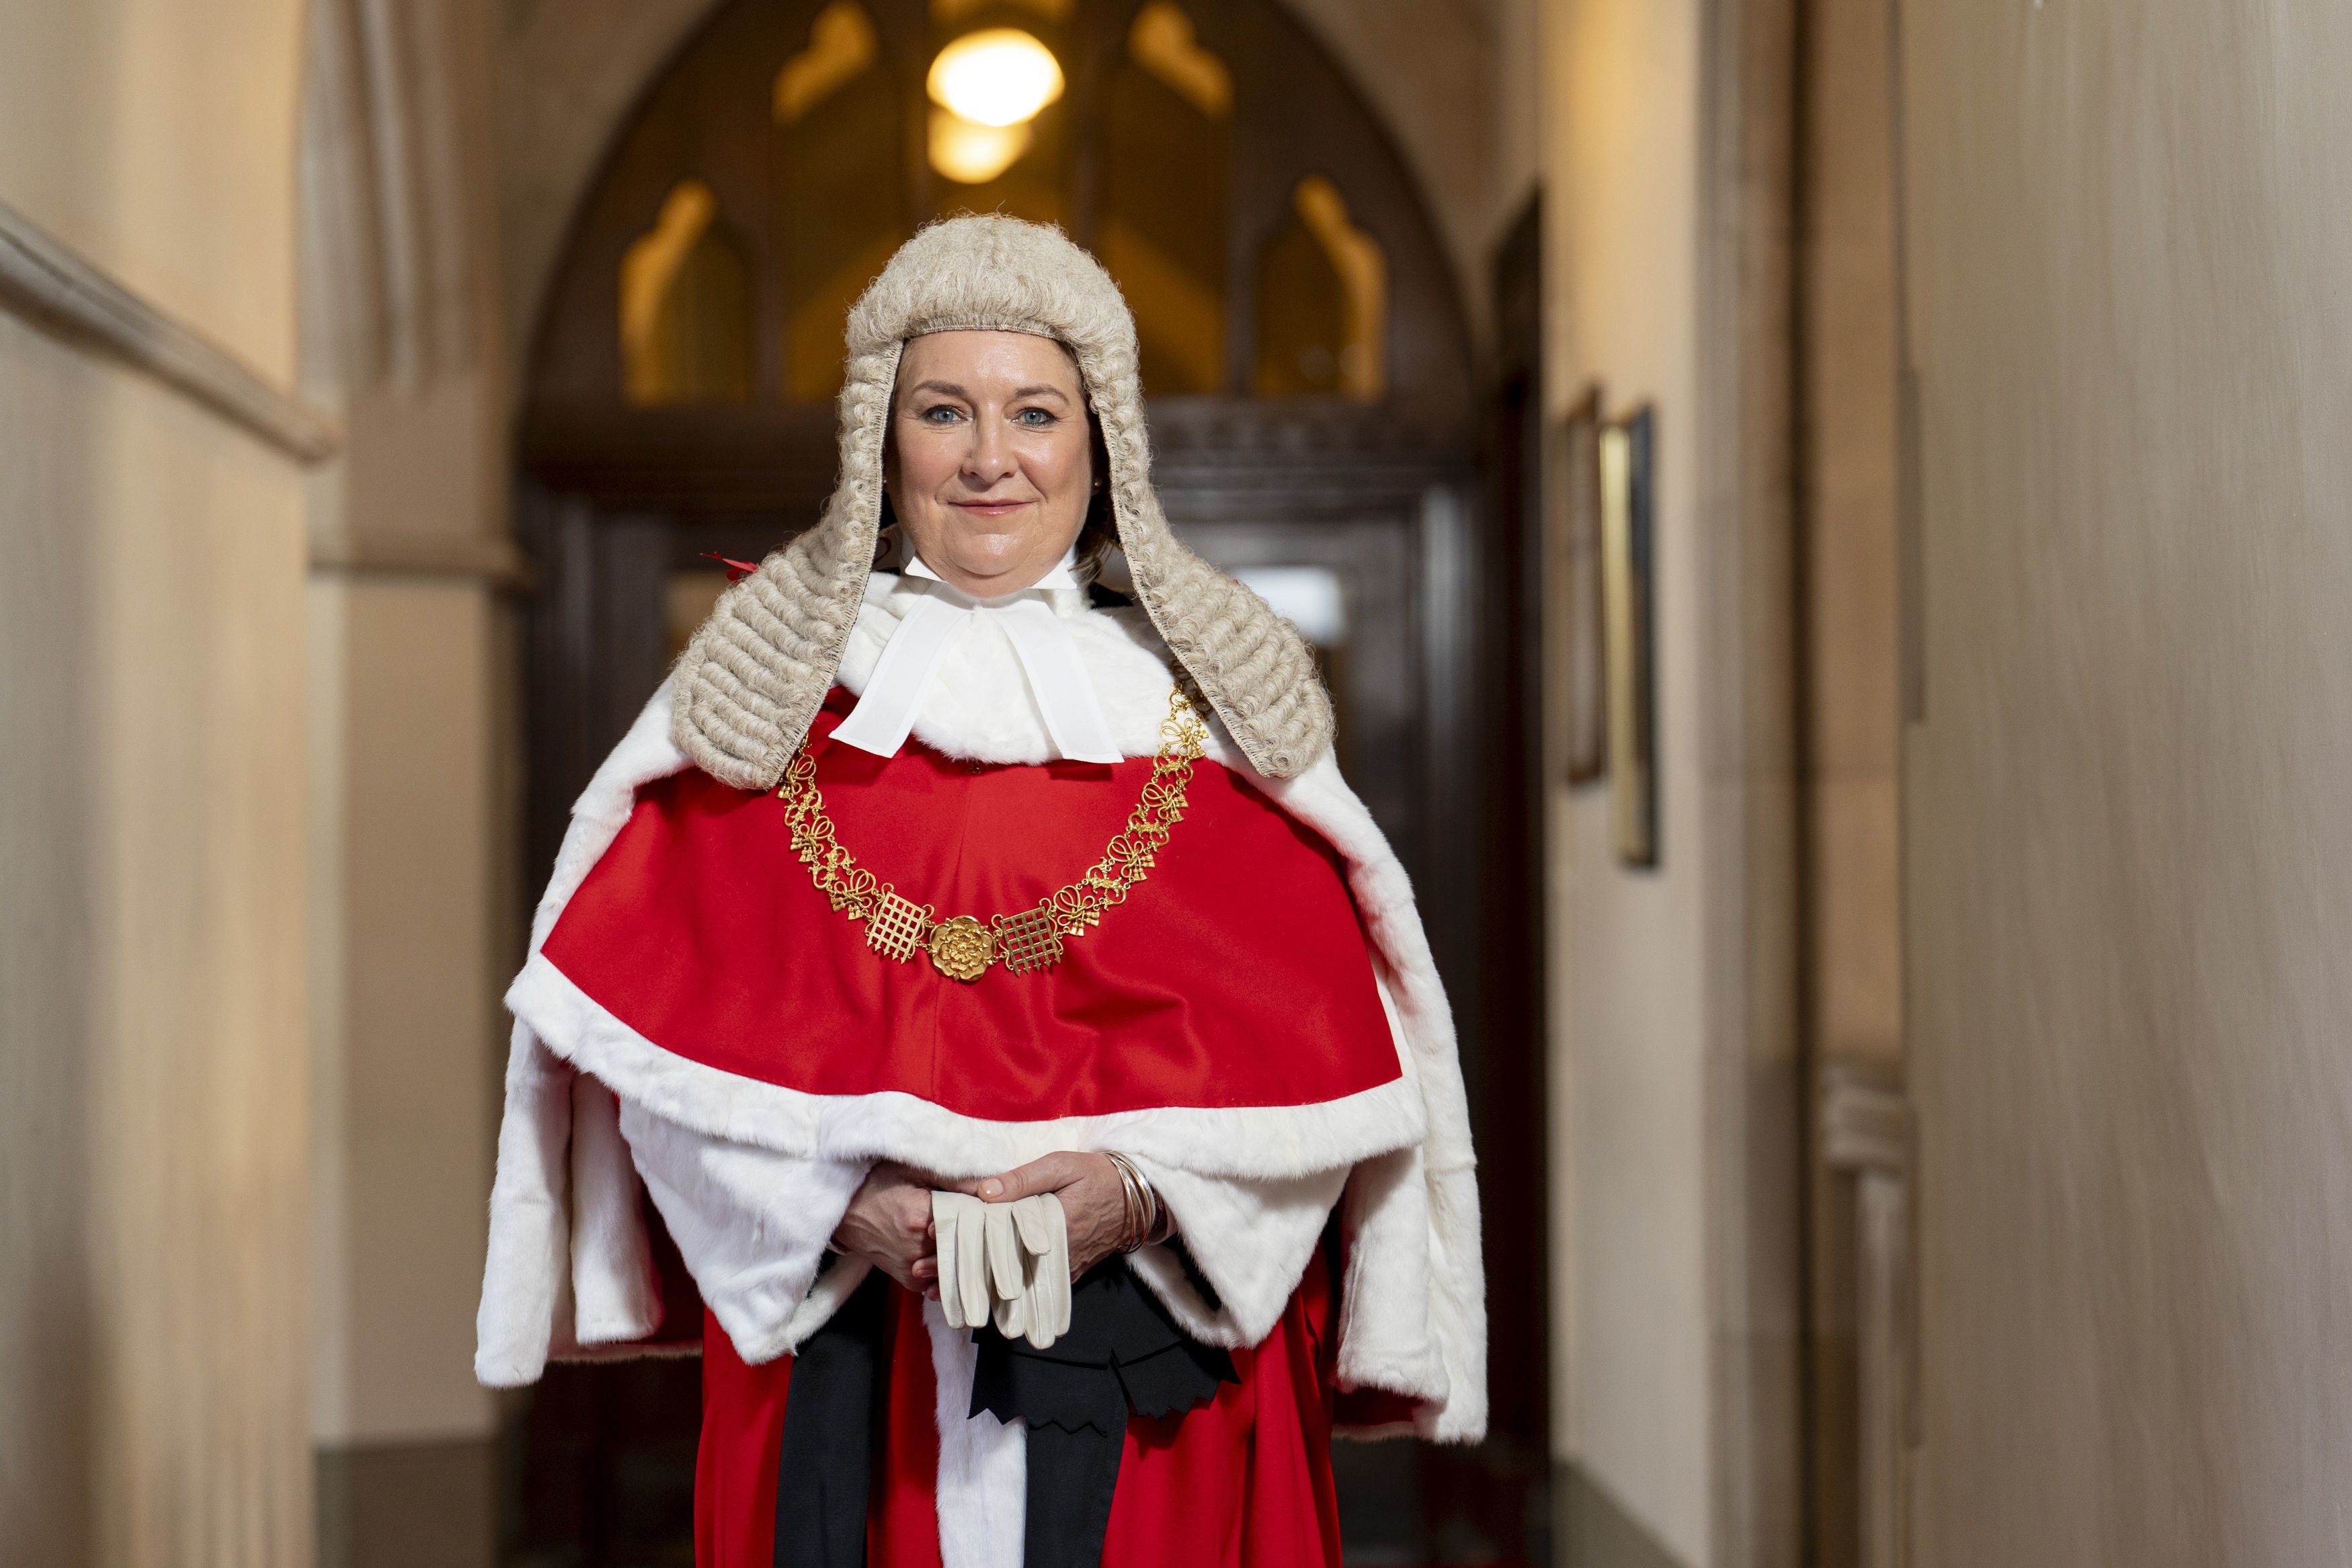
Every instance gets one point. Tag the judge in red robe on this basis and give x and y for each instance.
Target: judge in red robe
(952, 886)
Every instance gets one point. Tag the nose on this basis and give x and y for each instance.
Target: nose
(989, 457)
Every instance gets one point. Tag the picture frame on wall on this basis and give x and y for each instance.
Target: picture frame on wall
(1571, 557)
(1626, 456)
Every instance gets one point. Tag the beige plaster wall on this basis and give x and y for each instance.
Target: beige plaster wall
(408, 958)
(1622, 173)
(2129, 858)
(156, 137)
(153, 1134)
(153, 1088)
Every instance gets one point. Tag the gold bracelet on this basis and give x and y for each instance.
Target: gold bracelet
(1143, 1212)
(1134, 1207)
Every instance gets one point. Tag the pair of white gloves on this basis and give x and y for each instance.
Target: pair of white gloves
(1008, 1263)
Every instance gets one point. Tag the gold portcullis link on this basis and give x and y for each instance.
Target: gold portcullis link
(895, 928)
(1029, 941)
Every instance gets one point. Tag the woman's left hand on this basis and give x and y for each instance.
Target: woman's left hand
(1093, 1201)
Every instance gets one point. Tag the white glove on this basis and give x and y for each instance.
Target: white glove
(1005, 1263)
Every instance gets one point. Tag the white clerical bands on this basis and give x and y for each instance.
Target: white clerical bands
(1005, 1262)
(911, 660)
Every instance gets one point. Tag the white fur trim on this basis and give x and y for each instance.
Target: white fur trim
(1250, 1239)
(751, 1225)
(1249, 1142)
(1455, 1284)
(528, 1265)
(615, 1294)
(527, 1314)
(982, 1493)
(1384, 1339)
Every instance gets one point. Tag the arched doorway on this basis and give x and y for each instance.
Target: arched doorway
(1313, 411)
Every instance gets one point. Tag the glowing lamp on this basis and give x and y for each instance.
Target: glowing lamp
(974, 155)
(998, 77)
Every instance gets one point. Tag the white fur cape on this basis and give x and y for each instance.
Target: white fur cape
(751, 1179)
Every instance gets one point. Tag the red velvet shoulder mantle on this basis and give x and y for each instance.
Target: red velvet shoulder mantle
(1237, 975)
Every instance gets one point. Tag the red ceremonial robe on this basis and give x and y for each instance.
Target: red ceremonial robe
(1237, 975)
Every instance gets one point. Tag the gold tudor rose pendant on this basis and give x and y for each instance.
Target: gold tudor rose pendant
(1027, 943)
(962, 948)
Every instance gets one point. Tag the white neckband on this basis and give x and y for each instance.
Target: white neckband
(908, 671)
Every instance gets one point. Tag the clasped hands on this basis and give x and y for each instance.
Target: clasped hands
(1013, 1258)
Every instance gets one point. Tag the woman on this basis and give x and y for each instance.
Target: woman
(917, 895)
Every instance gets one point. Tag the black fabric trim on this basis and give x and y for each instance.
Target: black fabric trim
(1124, 1354)
(841, 1377)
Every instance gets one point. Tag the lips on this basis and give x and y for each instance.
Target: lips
(988, 509)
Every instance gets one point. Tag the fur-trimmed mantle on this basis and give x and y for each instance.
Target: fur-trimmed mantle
(753, 1179)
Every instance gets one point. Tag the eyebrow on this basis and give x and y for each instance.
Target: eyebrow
(951, 390)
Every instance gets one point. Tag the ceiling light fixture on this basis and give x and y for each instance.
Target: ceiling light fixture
(999, 77)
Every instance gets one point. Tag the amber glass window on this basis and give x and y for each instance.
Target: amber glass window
(1167, 124)
(837, 183)
(686, 306)
(1322, 303)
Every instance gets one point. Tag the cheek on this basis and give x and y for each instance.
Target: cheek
(929, 456)
(1059, 467)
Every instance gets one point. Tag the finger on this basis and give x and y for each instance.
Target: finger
(1045, 1174)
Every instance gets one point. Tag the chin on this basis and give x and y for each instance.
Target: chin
(992, 556)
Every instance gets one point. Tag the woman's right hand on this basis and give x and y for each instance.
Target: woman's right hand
(888, 1224)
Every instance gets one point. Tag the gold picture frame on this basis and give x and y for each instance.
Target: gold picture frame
(1571, 556)
(1626, 456)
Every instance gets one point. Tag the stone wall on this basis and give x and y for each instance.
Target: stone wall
(2128, 862)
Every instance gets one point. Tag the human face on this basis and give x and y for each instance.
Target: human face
(991, 460)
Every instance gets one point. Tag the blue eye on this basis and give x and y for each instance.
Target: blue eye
(942, 413)
(1035, 418)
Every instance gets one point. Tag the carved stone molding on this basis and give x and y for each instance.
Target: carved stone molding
(1866, 1134)
(67, 294)
(492, 561)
